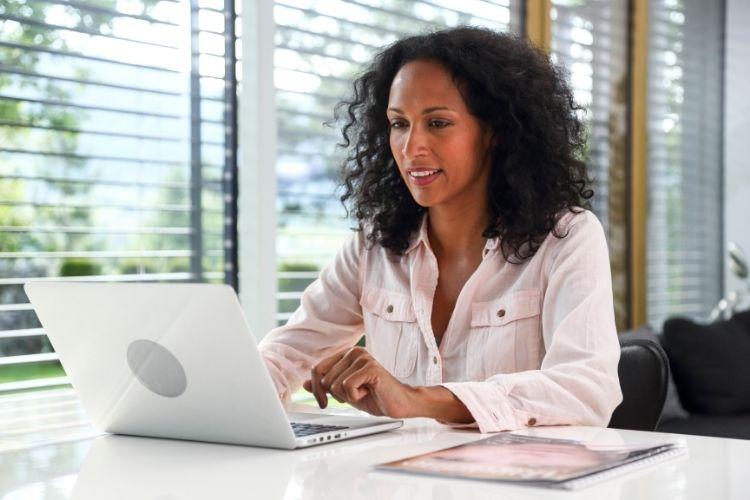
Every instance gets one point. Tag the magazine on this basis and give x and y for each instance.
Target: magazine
(536, 461)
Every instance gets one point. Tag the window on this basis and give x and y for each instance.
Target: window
(118, 141)
(116, 154)
(590, 39)
(320, 47)
(684, 158)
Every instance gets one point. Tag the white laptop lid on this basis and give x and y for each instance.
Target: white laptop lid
(200, 375)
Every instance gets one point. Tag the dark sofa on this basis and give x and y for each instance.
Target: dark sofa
(709, 391)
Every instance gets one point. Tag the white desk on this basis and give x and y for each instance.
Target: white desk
(120, 467)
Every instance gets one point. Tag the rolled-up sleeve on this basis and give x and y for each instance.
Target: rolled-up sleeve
(328, 319)
(577, 383)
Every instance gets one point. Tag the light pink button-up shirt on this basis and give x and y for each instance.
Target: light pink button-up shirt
(527, 344)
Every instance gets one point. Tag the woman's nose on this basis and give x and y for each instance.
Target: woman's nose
(415, 143)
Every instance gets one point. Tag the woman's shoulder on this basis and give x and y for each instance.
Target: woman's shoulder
(355, 242)
(576, 230)
(359, 245)
(577, 220)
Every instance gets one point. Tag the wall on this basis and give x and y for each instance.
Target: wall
(737, 131)
(257, 169)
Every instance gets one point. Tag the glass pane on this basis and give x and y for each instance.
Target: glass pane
(590, 40)
(684, 159)
(104, 129)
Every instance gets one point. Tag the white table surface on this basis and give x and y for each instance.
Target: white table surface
(121, 467)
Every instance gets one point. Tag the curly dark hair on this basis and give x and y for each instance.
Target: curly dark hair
(537, 172)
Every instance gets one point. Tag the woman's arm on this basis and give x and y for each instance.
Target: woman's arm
(577, 383)
(328, 320)
(355, 377)
(441, 404)
(315, 346)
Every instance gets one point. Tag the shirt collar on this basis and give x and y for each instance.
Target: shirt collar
(421, 237)
(492, 243)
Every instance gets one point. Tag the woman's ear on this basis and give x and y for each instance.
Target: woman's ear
(494, 138)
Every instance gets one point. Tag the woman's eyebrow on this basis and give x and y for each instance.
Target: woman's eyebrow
(424, 111)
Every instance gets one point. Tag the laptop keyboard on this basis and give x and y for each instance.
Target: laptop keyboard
(301, 429)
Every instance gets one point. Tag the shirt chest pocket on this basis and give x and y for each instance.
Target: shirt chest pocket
(391, 330)
(505, 335)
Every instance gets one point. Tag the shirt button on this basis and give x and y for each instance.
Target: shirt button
(389, 309)
(531, 422)
(501, 313)
(434, 359)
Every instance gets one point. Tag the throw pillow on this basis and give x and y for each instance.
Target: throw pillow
(711, 363)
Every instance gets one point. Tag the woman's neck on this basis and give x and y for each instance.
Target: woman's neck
(457, 233)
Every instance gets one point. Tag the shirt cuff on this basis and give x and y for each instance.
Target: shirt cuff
(489, 405)
(277, 376)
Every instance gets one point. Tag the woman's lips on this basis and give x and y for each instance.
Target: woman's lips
(423, 177)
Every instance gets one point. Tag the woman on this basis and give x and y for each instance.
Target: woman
(482, 288)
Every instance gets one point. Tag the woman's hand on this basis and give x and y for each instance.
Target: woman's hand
(355, 377)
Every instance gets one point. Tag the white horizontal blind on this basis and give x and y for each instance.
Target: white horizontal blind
(116, 163)
(320, 46)
(684, 158)
(589, 38)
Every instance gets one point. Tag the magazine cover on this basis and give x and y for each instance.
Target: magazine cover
(531, 460)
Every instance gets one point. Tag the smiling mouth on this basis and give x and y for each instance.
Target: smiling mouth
(423, 177)
(421, 174)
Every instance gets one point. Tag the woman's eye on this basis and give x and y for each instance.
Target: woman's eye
(439, 123)
(398, 124)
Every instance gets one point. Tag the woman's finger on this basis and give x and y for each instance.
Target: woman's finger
(335, 383)
(349, 358)
(358, 384)
(317, 373)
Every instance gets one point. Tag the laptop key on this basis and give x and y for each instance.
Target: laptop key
(302, 429)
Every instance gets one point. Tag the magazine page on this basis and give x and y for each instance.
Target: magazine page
(525, 459)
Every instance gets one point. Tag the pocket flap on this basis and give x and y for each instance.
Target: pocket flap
(391, 306)
(511, 307)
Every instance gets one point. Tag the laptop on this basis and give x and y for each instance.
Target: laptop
(176, 361)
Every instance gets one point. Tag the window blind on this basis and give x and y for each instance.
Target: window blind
(684, 244)
(320, 47)
(589, 38)
(117, 154)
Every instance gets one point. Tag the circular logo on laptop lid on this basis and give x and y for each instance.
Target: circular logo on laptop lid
(156, 368)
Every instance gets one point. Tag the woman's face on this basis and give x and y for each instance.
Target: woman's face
(441, 149)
